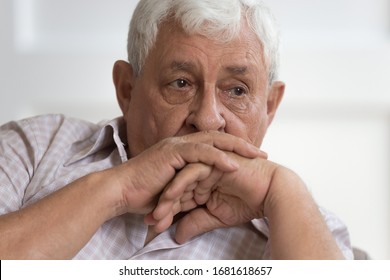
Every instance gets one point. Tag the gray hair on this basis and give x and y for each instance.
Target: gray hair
(218, 20)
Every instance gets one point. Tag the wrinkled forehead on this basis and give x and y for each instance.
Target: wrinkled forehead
(175, 51)
(172, 37)
(220, 34)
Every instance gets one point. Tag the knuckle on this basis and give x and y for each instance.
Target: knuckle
(169, 141)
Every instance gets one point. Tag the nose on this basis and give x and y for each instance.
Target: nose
(206, 112)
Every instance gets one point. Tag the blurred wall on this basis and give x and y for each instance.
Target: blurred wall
(333, 127)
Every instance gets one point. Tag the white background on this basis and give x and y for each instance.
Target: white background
(333, 127)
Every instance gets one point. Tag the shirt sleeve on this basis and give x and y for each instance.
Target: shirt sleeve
(340, 233)
(18, 159)
(336, 226)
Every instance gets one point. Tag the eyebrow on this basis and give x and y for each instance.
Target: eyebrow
(189, 66)
(182, 66)
(236, 70)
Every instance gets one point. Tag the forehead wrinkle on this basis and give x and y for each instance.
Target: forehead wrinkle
(182, 66)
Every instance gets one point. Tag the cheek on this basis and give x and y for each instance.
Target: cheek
(171, 121)
(150, 120)
(141, 126)
(250, 126)
(259, 127)
(256, 131)
(140, 129)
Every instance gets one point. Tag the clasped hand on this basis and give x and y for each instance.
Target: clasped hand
(212, 198)
(219, 180)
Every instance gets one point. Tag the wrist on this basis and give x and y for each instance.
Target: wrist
(297, 229)
(286, 188)
(107, 193)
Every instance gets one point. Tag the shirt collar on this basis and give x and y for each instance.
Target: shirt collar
(110, 134)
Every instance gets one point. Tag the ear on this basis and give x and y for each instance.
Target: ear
(275, 96)
(123, 77)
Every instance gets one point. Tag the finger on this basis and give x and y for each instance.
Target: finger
(149, 220)
(187, 195)
(187, 201)
(166, 221)
(205, 187)
(163, 224)
(166, 218)
(195, 223)
(186, 180)
(188, 205)
(263, 154)
(203, 153)
(163, 209)
(226, 142)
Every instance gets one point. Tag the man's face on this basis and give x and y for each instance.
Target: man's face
(190, 83)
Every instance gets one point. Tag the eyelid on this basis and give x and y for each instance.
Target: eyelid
(180, 79)
(243, 88)
(173, 93)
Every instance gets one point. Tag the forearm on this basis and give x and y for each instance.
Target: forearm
(297, 228)
(58, 226)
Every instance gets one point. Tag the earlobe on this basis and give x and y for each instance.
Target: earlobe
(123, 81)
(275, 96)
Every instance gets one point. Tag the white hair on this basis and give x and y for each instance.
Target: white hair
(215, 19)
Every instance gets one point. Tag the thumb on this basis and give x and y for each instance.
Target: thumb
(196, 222)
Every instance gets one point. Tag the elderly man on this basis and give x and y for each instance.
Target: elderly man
(180, 175)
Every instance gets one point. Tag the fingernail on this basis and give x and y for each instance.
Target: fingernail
(149, 220)
(234, 164)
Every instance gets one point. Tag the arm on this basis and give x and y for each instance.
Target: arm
(258, 188)
(59, 225)
(297, 228)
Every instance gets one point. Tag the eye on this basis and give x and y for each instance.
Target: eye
(178, 91)
(179, 83)
(236, 91)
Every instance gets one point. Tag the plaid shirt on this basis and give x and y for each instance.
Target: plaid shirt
(42, 154)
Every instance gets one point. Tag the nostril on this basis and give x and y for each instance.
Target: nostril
(193, 128)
